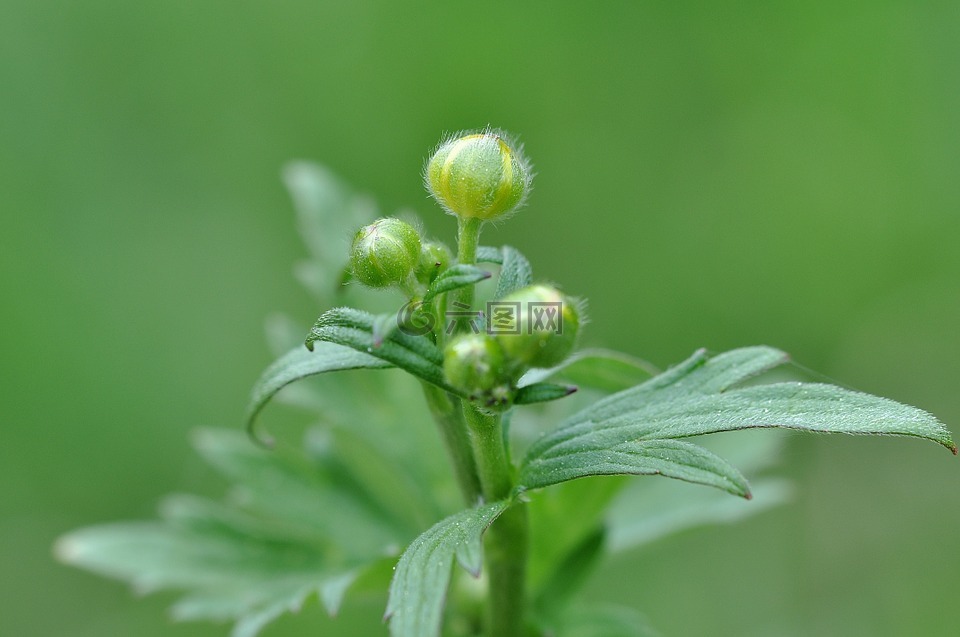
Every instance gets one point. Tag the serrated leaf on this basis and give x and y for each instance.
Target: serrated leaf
(515, 272)
(301, 363)
(453, 278)
(695, 398)
(596, 368)
(300, 493)
(600, 454)
(423, 573)
(541, 393)
(354, 328)
(230, 575)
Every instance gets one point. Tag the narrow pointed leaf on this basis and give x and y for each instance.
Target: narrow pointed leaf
(542, 392)
(423, 573)
(300, 363)
(596, 368)
(384, 325)
(354, 328)
(696, 398)
(515, 273)
(455, 277)
(599, 455)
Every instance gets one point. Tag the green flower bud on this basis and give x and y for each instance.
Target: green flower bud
(474, 364)
(548, 323)
(479, 175)
(385, 253)
(434, 259)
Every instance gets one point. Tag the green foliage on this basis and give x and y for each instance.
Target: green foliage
(301, 363)
(454, 278)
(268, 549)
(423, 573)
(321, 519)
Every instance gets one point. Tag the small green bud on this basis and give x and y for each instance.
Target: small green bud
(434, 259)
(385, 253)
(479, 175)
(548, 323)
(474, 364)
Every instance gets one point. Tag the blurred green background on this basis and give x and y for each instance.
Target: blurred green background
(710, 174)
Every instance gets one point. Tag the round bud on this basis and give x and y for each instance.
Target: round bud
(385, 252)
(434, 259)
(479, 175)
(547, 325)
(474, 364)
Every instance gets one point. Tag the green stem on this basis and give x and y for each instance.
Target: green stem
(505, 543)
(449, 417)
(468, 238)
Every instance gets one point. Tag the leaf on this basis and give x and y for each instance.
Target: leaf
(647, 510)
(231, 574)
(570, 573)
(489, 254)
(603, 369)
(423, 573)
(354, 328)
(562, 519)
(541, 392)
(300, 363)
(384, 325)
(594, 455)
(455, 277)
(638, 518)
(629, 432)
(299, 493)
(297, 526)
(327, 213)
(515, 273)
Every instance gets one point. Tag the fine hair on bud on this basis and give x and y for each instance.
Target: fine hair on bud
(549, 327)
(386, 252)
(479, 174)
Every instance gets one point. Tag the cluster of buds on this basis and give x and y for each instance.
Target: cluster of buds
(481, 176)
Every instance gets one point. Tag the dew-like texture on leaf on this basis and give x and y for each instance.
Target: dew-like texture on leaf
(694, 398)
(423, 573)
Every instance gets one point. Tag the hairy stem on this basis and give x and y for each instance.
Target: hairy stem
(468, 238)
(449, 417)
(505, 543)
